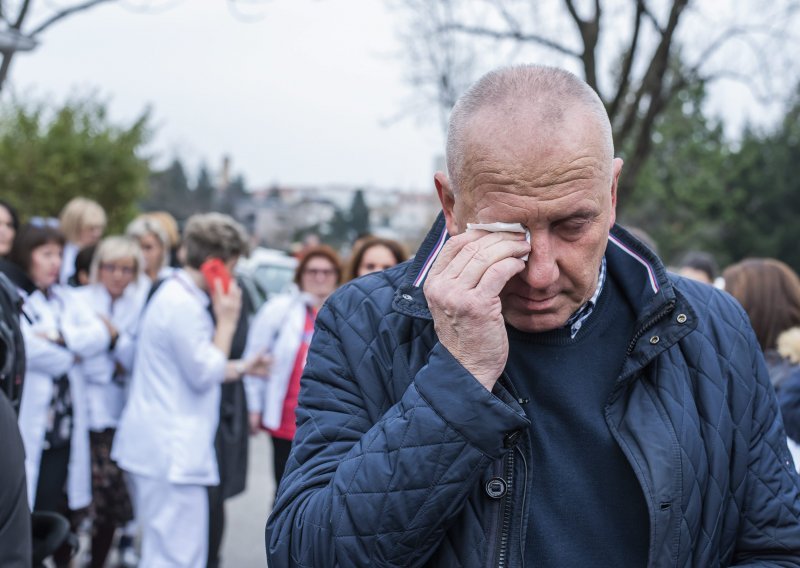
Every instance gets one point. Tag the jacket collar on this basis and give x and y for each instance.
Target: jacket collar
(17, 276)
(640, 273)
(642, 276)
(663, 314)
(409, 298)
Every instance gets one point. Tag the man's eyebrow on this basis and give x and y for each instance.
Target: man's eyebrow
(578, 214)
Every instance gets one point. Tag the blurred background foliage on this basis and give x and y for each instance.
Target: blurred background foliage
(732, 199)
(52, 153)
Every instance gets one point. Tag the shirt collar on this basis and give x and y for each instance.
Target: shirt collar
(576, 321)
(188, 284)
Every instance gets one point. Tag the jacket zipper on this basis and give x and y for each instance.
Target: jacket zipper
(648, 324)
(502, 552)
(524, 497)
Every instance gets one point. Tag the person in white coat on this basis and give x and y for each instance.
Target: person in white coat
(82, 221)
(154, 242)
(165, 438)
(58, 332)
(283, 328)
(114, 294)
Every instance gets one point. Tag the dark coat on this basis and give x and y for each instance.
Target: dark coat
(396, 442)
(231, 442)
(15, 518)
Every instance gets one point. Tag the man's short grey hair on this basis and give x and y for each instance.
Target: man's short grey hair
(553, 92)
(213, 235)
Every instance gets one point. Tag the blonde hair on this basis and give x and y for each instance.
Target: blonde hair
(77, 213)
(789, 345)
(116, 248)
(170, 226)
(145, 225)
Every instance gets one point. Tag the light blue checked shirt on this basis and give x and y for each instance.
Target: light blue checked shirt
(575, 322)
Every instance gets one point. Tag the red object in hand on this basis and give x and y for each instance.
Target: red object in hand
(214, 269)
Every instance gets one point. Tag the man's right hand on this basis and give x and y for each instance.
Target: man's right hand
(463, 289)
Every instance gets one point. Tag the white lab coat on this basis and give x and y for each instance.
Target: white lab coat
(168, 425)
(85, 335)
(68, 256)
(106, 394)
(277, 329)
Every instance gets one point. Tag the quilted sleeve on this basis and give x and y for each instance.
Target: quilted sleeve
(769, 531)
(367, 486)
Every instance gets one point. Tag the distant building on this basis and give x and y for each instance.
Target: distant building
(276, 214)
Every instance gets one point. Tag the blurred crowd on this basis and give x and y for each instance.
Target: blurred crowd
(146, 367)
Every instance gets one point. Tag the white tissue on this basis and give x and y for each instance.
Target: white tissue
(498, 227)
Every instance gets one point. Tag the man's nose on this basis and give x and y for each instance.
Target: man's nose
(542, 269)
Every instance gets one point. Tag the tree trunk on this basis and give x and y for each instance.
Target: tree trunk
(4, 67)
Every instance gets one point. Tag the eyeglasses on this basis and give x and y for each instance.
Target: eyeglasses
(124, 270)
(326, 272)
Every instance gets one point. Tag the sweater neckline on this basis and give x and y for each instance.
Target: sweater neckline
(563, 334)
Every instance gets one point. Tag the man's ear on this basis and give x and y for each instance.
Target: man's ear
(616, 168)
(448, 200)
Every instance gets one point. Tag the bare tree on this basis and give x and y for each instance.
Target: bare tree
(21, 32)
(637, 54)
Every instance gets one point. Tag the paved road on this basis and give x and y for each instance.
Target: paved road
(246, 514)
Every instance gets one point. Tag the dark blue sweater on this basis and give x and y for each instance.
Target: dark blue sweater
(586, 507)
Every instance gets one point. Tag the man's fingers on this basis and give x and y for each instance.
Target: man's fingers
(474, 255)
(486, 257)
(498, 274)
(451, 248)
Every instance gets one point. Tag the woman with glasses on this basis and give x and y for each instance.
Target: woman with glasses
(283, 328)
(59, 330)
(113, 294)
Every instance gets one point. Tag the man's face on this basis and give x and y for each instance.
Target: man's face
(562, 187)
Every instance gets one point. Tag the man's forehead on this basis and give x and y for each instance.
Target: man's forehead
(532, 124)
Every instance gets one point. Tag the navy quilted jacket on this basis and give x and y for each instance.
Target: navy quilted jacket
(399, 449)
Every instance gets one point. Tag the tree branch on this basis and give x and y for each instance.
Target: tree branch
(573, 12)
(589, 31)
(627, 64)
(510, 35)
(23, 11)
(652, 19)
(5, 66)
(726, 36)
(65, 13)
(654, 76)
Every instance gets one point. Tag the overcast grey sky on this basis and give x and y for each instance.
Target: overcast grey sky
(302, 95)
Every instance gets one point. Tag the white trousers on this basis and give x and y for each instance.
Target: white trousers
(794, 449)
(174, 523)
